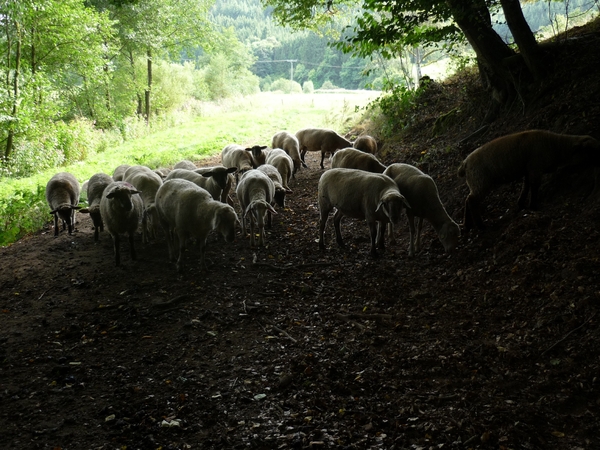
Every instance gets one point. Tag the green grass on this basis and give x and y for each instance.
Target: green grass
(244, 121)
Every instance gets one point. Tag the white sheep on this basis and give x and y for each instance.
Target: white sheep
(528, 155)
(320, 140)
(284, 164)
(95, 188)
(289, 143)
(422, 194)
(188, 211)
(185, 164)
(280, 191)
(366, 143)
(62, 195)
(234, 155)
(351, 158)
(121, 209)
(255, 192)
(119, 172)
(214, 180)
(147, 182)
(361, 195)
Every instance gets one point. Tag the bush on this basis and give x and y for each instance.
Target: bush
(308, 87)
(286, 86)
(328, 85)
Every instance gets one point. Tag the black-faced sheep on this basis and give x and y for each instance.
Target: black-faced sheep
(119, 172)
(121, 209)
(188, 211)
(284, 164)
(289, 143)
(185, 164)
(422, 194)
(255, 192)
(223, 177)
(358, 194)
(147, 182)
(280, 191)
(95, 188)
(62, 195)
(351, 158)
(527, 154)
(320, 140)
(366, 144)
(214, 180)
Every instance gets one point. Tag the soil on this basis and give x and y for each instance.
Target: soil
(494, 345)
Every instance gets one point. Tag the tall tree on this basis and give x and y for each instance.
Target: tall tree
(387, 26)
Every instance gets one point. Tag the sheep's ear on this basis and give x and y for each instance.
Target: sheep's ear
(207, 174)
(75, 207)
(262, 147)
(288, 190)
(381, 207)
(84, 210)
(133, 191)
(110, 194)
(231, 169)
(248, 209)
(271, 209)
(405, 201)
(54, 211)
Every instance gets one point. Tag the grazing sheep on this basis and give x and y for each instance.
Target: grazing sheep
(366, 144)
(214, 180)
(217, 174)
(96, 185)
(185, 164)
(284, 164)
(147, 182)
(234, 155)
(162, 172)
(255, 192)
(188, 211)
(62, 195)
(121, 209)
(259, 155)
(351, 158)
(527, 154)
(119, 172)
(280, 191)
(361, 195)
(422, 194)
(320, 140)
(289, 143)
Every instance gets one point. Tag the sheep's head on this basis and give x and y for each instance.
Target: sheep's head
(220, 175)
(227, 220)
(122, 194)
(391, 206)
(449, 235)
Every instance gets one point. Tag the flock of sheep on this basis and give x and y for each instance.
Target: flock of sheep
(190, 202)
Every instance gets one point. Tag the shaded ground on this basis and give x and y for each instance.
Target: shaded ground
(492, 346)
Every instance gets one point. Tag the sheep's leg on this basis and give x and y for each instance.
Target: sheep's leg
(55, 224)
(252, 237)
(116, 242)
(522, 202)
(145, 227)
(472, 213)
(180, 243)
(322, 159)
(203, 254)
(411, 236)
(419, 228)
(132, 246)
(337, 218)
(390, 233)
(373, 232)
(322, 224)
(381, 227)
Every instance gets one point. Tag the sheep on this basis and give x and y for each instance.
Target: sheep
(162, 172)
(185, 211)
(351, 158)
(284, 164)
(259, 155)
(96, 185)
(422, 194)
(185, 164)
(147, 182)
(228, 180)
(280, 191)
(255, 193)
(234, 155)
(366, 143)
(289, 143)
(361, 195)
(121, 208)
(527, 154)
(62, 195)
(119, 172)
(320, 139)
(213, 180)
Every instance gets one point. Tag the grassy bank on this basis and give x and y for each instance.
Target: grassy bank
(246, 121)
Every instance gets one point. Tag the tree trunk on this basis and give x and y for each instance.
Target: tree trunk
(473, 18)
(149, 85)
(15, 85)
(523, 36)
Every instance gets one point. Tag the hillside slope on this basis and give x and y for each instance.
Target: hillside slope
(492, 346)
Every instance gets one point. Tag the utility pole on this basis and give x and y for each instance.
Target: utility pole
(292, 61)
